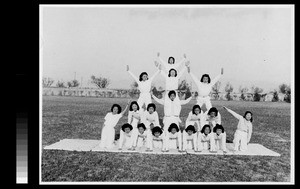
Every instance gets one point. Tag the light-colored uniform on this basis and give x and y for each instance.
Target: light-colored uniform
(108, 130)
(211, 121)
(243, 133)
(140, 139)
(126, 139)
(220, 141)
(204, 90)
(196, 120)
(134, 118)
(189, 142)
(171, 110)
(144, 87)
(171, 66)
(149, 119)
(156, 142)
(173, 141)
(206, 142)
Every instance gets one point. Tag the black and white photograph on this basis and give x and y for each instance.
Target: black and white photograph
(166, 94)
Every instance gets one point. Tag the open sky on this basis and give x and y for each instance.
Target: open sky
(254, 44)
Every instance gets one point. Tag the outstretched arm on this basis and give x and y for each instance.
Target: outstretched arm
(233, 113)
(216, 79)
(155, 74)
(182, 102)
(176, 65)
(132, 75)
(160, 101)
(181, 72)
(162, 61)
(123, 112)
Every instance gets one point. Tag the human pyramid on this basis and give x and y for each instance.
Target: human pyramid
(202, 130)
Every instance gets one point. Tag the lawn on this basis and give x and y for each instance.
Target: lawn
(82, 118)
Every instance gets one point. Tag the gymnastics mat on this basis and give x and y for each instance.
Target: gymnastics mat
(93, 145)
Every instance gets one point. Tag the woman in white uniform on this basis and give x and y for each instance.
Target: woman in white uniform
(134, 115)
(126, 137)
(195, 118)
(206, 139)
(189, 138)
(173, 138)
(220, 138)
(243, 132)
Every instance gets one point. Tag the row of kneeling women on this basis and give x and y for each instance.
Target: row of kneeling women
(203, 130)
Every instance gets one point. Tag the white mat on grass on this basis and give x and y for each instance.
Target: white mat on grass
(93, 145)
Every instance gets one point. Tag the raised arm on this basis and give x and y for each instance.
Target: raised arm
(165, 64)
(216, 79)
(160, 101)
(176, 65)
(123, 112)
(195, 79)
(155, 74)
(233, 113)
(182, 102)
(132, 75)
(181, 72)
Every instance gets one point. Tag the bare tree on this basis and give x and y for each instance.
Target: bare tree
(228, 90)
(256, 91)
(100, 82)
(73, 83)
(60, 84)
(47, 81)
(216, 89)
(243, 91)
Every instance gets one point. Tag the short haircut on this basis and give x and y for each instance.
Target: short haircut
(170, 59)
(190, 128)
(205, 75)
(132, 103)
(118, 106)
(247, 113)
(194, 107)
(151, 105)
(156, 129)
(213, 109)
(126, 125)
(170, 72)
(173, 125)
(218, 127)
(141, 75)
(171, 92)
(203, 128)
(141, 125)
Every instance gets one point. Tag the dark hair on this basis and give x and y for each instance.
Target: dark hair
(190, 127)
(213, 109)
(218, 127)
(156, 129)
(151, 105)
(173, 125)
(118, 106)
(247, 113)
(141, 125)
(171, 92)
(141, 75)
(194, 107)
(203, 128)
(171, 58)
(170, 72)
(132, 103)
(205, 75)
(126, 125)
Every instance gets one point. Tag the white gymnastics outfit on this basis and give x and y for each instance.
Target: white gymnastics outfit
(173, 141)
(189, 142)
(140, 139)
(171, 66)
(196, 120)
(171, 110)
(149, 119)
(108, 130)
(212, 121)
(243, 133)
(220, 141)
(144, 88)
(134, 118)
(126, 139)
(206, 142)
(156, 142)
(204, 90)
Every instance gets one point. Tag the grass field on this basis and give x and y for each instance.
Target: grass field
(82, 118)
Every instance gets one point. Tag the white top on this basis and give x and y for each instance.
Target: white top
(243, 124)
(194, 117)
(144, 86)
(213, 121)
(205, 138)
(152, 118)
(171, 108)
(134, 115)
(204, 88)
(219, 137)
(111, 120)
(172, 82)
